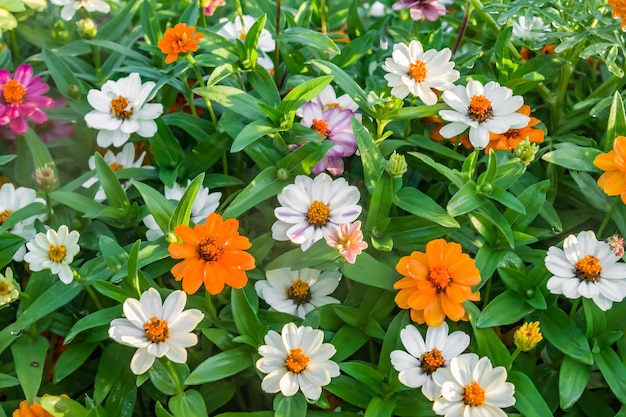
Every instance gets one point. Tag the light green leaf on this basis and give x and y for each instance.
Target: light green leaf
(29, 355)
(421, 205)
(221, 365)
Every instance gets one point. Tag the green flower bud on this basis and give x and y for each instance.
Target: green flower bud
(86, 28)
(73, 91)
(396, 166)
(282, 174)
(526, 151)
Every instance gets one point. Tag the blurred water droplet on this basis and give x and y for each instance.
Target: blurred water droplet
(17, 333)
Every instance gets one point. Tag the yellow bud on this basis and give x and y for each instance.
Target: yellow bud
(527, 336)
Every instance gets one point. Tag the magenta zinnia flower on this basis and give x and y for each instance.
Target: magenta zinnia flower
(347, 239)
(421, 9)
(335, 124)
(21, 97)
(211, 5)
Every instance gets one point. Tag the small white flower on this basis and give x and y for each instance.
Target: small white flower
(156, 328)
(377, 9)
(54, 251)
(586, 267)
(71, 6)
(424, 358)
(9, 289)
(411, 70)
(534, 30)
(491, 108)
(124, 159)
(298, 292)
(328, 99)
(296, 360)
(311, 207)
(234, 30)
(121, 109)
(473, 387)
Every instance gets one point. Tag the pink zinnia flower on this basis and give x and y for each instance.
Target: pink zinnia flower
(347, 239)
(21, 97)
(48, 130)
(335, 124)
(421, 9)
(211, 5)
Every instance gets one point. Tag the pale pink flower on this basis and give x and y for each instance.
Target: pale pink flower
(347, 239)
(421, 9)
(211, 5)
(616, 243)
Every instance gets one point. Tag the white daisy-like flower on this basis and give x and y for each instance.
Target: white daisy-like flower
(156, 328)
(586, 267)
(9, 288)
(411, 70)
(298, 292)
(121, 109)
(234, 30)
(473, 387)
(54, 250)
(204, 204)
(491, 108)
(311, 207)
(13, 199)
(533, 30)
(124, 159)
(296, 359)
(71, 6)
(422, 359)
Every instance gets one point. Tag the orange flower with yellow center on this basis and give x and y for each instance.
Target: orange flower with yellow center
(508, 140)
(213, 253)
(613, 163)
(179, 40)
(436, 283)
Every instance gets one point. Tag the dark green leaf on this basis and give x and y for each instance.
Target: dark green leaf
(528, 400)
(416, 202)
(573, 379)
(562, 332)
(29, 355)
(221, 365)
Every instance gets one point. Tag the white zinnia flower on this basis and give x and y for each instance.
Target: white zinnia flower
(71, 6)
(156, 328)
(411, 70)
(298, 292)
(234, 30)
(533, 30)
(9, 289)
(13, 199)
(491, 108)
(328, 99)
(424, 357)
(124, 159)
(121, 109)
(310, 207)
(586, 267)
(296, 359)
(472, 387)
(54, 251)
(204, 204)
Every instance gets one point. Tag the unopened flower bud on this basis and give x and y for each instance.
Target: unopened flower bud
(527, 336)
(397, 166)
(46, 178)
(526, 151)
(87, 29)
(73, 91)
(616, 243)
(9, 289)
(282, 174)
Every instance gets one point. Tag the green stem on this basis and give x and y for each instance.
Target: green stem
(196, 68)
(487, 293)
(15, 50)
(323, 15)
(94, 297)
(512, 358)
(240, 14)
(608, 216)
(476, 4)
(575, 305)
(276, 50)
(170, 368)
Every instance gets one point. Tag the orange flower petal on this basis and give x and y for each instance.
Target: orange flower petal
(452, 309)
(182, 250)
(433, 314)
(187, 234)
(418, 316)
(214, 275)
(402, 299)
(236, 278)
(243, 260)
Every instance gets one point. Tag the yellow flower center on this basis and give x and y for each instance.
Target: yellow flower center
(439, 277)
(4, 288)
(296, 361)
(57, 253)
(321, 126)
(156, 330)
(4, 215)
(210, 250)
(14, 92)
(480, 109)
(417, 70)
(588, 269)
(119, 107)
(116, 166)
(299, 292)
(318, 213)
(473, 394)
(431, 361)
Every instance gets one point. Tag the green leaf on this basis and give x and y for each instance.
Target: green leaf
(33, 209)
(379, 407)
(114, 255)
(348, 340)
(264, 186)
(380, 203)
(505, 65)
(368, 270)
(488, 342)
(116, 197)
(161, 411)
(304, 158)
(350, 390)
(390, 341)
(29, 355)
(71, 359)
(95, 319)
(234, 99)
(532, 199)
(188, 404)
(454, 177)
(39, 152)
(374, 163)
(310, 38)
(159, 206)
(612, 369)
(616, 125)
(562, 332)
(183, 208)
(114, 28)
(344, 80)
(365, 373)
(528, 400)
(149, 23)
(264, 85)
(573, 379)
(168, 153)
(303, 93)
(8, 381)
(246, 319)
(114, 360)
(221, 365)
(465, 200)
(506, 308)
(62, 407)
(570, 156)
(421, 205)
(294, 406)
(251, 132)
(60, 72)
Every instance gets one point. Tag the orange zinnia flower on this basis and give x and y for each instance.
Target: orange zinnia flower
(613, 181)
(179, 40)
(33, 410)
(619, 12)
(508, 140)
(213, 253)
(436, 283)
(436, 136)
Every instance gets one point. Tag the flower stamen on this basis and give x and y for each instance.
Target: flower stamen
(210, 250)
(318, 213)
(431, 361)
(156, 330)
(57, 253)
(14, 92)
(479, 109)
(116, 166)
(299, 292)
(4, 215)
(120, 108)
(473, 394)
(321, 126)
(417, 70)
(588, 269)
(440, 277)
(296, 361)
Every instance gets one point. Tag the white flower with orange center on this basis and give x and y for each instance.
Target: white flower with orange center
(71, 6)
(586, 267)
(473, 387)
(423, 358)
(121, 110)
(482, 109)
(238, 29)
(296, 359)
(156, 328)
(310, 208)
(298, 292)
(54, 250)
(413, 70)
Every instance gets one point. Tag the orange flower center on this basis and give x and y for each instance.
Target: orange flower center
(156, 330)
(210, 250)
(116, 166)
(417, 70)
(296, 361)
(439, 277)
(431, 361)
(473, 394)
(320, 126)
(318, 213)
(588, 269)
(5, 215)
(119, 107)
(242, 36)
(511, 133)
(14, 92)
(480, 109)
(4, 288)
(299, 292)
(57, 253)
